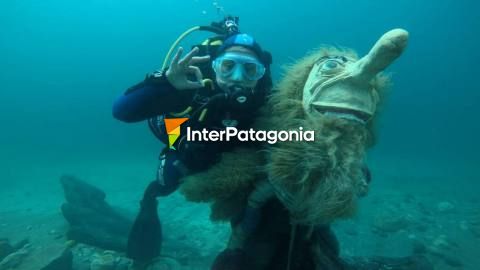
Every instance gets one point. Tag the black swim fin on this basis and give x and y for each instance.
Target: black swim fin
(145, 238)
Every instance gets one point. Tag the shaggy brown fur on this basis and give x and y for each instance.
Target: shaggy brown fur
(227, 184)
(317, 181)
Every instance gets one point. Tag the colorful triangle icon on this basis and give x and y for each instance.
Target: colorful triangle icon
(172, 126)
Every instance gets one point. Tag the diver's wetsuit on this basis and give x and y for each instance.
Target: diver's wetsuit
(212, 109)
(156, 96)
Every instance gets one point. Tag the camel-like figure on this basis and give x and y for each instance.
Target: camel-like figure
(302, 187)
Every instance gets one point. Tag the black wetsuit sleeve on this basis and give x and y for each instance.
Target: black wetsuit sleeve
(154, 96)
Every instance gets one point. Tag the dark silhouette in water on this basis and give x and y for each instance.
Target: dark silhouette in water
(63, 262)
(92, 220)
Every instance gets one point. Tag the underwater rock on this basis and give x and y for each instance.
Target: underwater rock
(424, 210)
(419, 247)
(474, 223)
(441, 244)
(21, 244)
(82, 255)
(15, 259)
(420, 227)
(164, 263)
(409, 198)
(442, 248)
(475, 231)
(84, 251)
(5, 249)
(445, 207)
(452, 261)
(463, 225)
(123, 263)
(104, 261)
(390, 222)
(380, 263)
(97, 236)
(62, 262)
(92, 220)
(79, 192)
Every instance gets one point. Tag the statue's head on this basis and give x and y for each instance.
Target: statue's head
(336, 93)
(344, 85)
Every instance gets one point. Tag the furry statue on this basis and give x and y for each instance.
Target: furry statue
(292, 191)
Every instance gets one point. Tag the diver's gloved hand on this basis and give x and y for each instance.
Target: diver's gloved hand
(180, 69)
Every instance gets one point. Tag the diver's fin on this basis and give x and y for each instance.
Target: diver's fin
(145, 238)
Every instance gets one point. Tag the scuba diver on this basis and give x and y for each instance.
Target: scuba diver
(219, 83)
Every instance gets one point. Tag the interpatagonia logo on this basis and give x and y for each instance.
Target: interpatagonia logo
(251, 135)
(172, 125)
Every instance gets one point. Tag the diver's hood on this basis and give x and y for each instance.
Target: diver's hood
(341, 84)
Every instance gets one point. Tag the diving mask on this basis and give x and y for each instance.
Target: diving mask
(233, 64)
